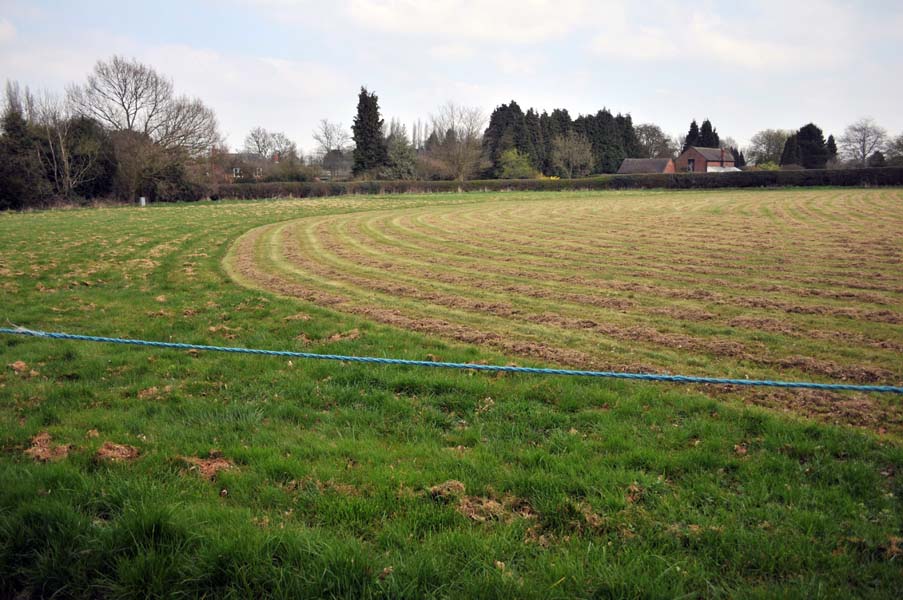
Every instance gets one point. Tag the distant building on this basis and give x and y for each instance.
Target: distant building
(705, 160)
(633, 166)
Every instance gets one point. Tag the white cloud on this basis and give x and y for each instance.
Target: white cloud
(452, 52)
(7, 31)
(517, 21)
(762, 40)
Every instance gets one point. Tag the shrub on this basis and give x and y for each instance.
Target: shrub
(741, 179)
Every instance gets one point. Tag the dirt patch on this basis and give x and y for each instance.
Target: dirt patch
(210, 466)
(506, 508)
(346, 336)
(43, 450)
(447, 490)
(117, 452)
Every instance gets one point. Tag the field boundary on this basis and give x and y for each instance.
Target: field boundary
(872, 177)
(682, 379)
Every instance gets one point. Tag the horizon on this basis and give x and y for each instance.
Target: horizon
(284, 65)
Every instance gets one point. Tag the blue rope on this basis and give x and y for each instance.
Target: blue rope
(448, 365)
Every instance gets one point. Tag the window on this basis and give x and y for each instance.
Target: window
(236, 172)
(691, 164)
(258, 172)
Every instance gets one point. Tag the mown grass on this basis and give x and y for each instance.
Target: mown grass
(621, 489)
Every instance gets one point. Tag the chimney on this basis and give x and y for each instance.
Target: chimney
(722, 156)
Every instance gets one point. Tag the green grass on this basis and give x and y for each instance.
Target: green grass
(630, 490)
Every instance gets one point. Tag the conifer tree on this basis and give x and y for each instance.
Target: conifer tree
(831, 147)
(739, 159)
(692, 138)
(791, 154)
(813, 151)
(536, 144)
(21, 181)
(877, 160)
(370, 150)
(708, 136)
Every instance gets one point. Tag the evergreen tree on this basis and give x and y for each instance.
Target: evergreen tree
(21, 181)
(370, 150)
(739, 159)
(831, 147)
(791, 154)
(506, 131)
(692, 138)
(535, 142)
(877, 160)
(813, 151)
(708, 136)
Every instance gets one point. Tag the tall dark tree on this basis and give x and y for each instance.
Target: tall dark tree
(739, 159)
(370, 150)
(708, 136)
(791, 154)
(831, 147)
(21, 181)
(812, 148)
(535, 139)
(877, 160)
(692, 138)
(506, 131)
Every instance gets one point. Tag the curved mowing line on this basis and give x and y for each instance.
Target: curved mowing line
(436, 254)
(466, 366)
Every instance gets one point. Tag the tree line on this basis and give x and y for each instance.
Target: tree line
(125, 132)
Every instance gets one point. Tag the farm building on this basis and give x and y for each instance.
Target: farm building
(705, 160)
(632, 166)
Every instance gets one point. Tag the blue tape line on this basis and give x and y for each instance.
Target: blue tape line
(470, 366)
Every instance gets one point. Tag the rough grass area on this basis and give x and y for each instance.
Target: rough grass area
(805, 285)
(133, 472)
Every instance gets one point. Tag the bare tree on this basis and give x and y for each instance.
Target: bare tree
(53, 120)
(655, 143)
(330, 137)
(459, 137)
(283, 147)
(125, 95)
(152, 129)
(767, 145)
(861, 139)
(572, 154)
(259, 141)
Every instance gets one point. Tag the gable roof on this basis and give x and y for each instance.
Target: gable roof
(715, 153)
(643, 165)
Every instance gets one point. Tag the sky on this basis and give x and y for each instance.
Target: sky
(286, 64)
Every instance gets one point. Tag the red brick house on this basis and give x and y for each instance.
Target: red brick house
(632, 166)
(705, 160)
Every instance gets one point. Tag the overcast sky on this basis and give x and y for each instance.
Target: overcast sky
(286, 64)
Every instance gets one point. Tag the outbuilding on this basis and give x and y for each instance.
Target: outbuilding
(705, 160)
(634, 166)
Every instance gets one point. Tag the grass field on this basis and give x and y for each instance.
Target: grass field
(128, 472)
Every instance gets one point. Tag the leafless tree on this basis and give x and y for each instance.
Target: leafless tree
(861, 139)
(330, 137)
(655, 143)
(125, 95)
(152, 129)
(572, 155)
(766, 146)
(459, 133)
(270, 145)
(69, 162)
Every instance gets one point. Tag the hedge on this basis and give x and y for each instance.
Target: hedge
(742, 179)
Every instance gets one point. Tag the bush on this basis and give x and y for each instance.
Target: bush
(741, 179)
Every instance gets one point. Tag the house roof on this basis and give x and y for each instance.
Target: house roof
(715, 154)
(643, 165)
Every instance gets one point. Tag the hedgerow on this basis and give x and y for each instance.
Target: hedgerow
(889, 176)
